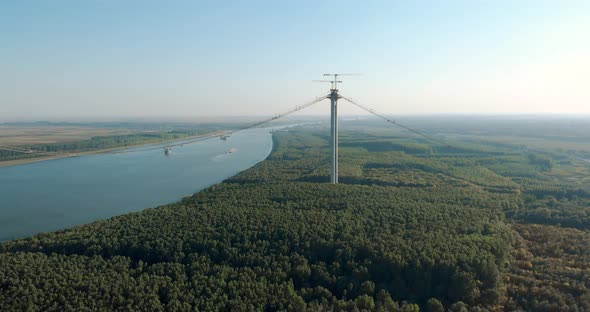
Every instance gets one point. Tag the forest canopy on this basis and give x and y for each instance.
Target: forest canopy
(410, 227)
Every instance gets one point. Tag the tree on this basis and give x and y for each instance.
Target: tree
(434, 305)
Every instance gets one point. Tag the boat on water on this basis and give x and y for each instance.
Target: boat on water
(231, 150)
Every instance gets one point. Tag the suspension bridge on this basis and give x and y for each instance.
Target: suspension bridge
(333, 96)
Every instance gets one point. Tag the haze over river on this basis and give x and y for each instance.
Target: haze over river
(57, 194)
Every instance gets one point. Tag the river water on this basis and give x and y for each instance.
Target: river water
(56, 194)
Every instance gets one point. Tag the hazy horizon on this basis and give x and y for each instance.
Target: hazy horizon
(182, 60)
(324, 117)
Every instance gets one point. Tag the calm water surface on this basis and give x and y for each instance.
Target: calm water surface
(61, 193)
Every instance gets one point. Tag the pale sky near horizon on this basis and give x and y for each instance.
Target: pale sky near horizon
(189, 59)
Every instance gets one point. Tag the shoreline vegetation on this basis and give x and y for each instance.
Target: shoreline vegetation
(411, 227)
(7, 163)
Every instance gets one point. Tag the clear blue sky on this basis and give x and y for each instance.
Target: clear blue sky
(103, 59)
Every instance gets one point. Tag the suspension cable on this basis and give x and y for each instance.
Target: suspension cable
(199, 139)
(391, 121)
(289, 112)
(227, 133)
(258, 123)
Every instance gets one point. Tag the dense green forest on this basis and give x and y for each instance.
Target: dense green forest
(550, 269)
(411, 227)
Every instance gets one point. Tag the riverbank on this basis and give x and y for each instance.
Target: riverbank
(15, 162)
(53, 195)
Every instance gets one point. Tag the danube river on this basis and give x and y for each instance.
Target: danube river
(57, 194)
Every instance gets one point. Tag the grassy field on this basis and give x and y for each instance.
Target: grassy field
(24, 135)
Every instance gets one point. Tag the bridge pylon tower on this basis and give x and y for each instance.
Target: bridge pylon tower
(334, 96)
